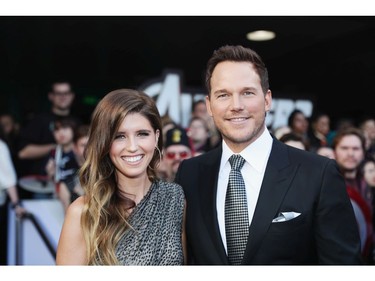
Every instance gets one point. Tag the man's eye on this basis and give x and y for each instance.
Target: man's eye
(222, 96)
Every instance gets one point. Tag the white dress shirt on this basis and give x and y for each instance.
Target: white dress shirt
(256, 156)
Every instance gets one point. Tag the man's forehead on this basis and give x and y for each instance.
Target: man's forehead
(59, 86)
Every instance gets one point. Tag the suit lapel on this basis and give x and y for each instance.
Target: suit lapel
(276, 182)
(208, 189)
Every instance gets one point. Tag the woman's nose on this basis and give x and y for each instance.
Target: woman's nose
(131, 144)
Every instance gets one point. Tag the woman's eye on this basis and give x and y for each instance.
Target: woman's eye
(121, 136)
(144, 134)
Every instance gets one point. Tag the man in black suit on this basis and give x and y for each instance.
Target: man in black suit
(297, 208)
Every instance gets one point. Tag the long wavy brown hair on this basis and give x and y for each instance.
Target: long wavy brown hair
(104, 218)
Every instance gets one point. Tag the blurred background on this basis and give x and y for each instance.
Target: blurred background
(329, 60)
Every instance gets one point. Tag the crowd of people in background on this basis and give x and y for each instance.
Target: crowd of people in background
(52, 144)
(352, 145)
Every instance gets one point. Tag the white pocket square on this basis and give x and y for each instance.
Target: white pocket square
(285, 216)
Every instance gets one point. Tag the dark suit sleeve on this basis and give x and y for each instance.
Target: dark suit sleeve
(336, 231)
(179, 180)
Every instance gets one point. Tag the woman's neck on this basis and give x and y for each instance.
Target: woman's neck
(135, 188)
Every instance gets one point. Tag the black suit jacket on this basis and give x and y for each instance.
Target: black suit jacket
(294, 181)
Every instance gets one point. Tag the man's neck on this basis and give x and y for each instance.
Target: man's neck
(60, 112)
(350, 174)
(67, 147)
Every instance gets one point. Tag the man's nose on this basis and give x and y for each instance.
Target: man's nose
(237, 103)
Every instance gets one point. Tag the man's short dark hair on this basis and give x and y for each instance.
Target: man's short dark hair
(237, 54)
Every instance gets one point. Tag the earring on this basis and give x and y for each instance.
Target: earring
(160, 155)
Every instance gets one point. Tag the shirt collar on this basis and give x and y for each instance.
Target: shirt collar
(256, 154)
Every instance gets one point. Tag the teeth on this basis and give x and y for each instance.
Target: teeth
(238, 119)
(133, 159)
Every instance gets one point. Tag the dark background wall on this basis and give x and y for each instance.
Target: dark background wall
(328, 59)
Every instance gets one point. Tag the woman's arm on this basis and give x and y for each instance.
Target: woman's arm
(71, 249)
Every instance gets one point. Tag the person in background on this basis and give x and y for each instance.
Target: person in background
(10, 125)
(8, 191)
(70, 188)
(293, 140)
(281, 130)
(199, 134)
(349, 148)
(340, 124)
(162, 167)
(318, 130)
(299, 125)
(126, 216)
(11, 135)
(36, 138)
(367, 127)
(200, 110)
(326, 151)
(62, 165)
(178, 146)
(292, 208)
(167, 123)
(367, 170)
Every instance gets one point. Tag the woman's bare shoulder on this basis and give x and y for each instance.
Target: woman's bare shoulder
(76, 207)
